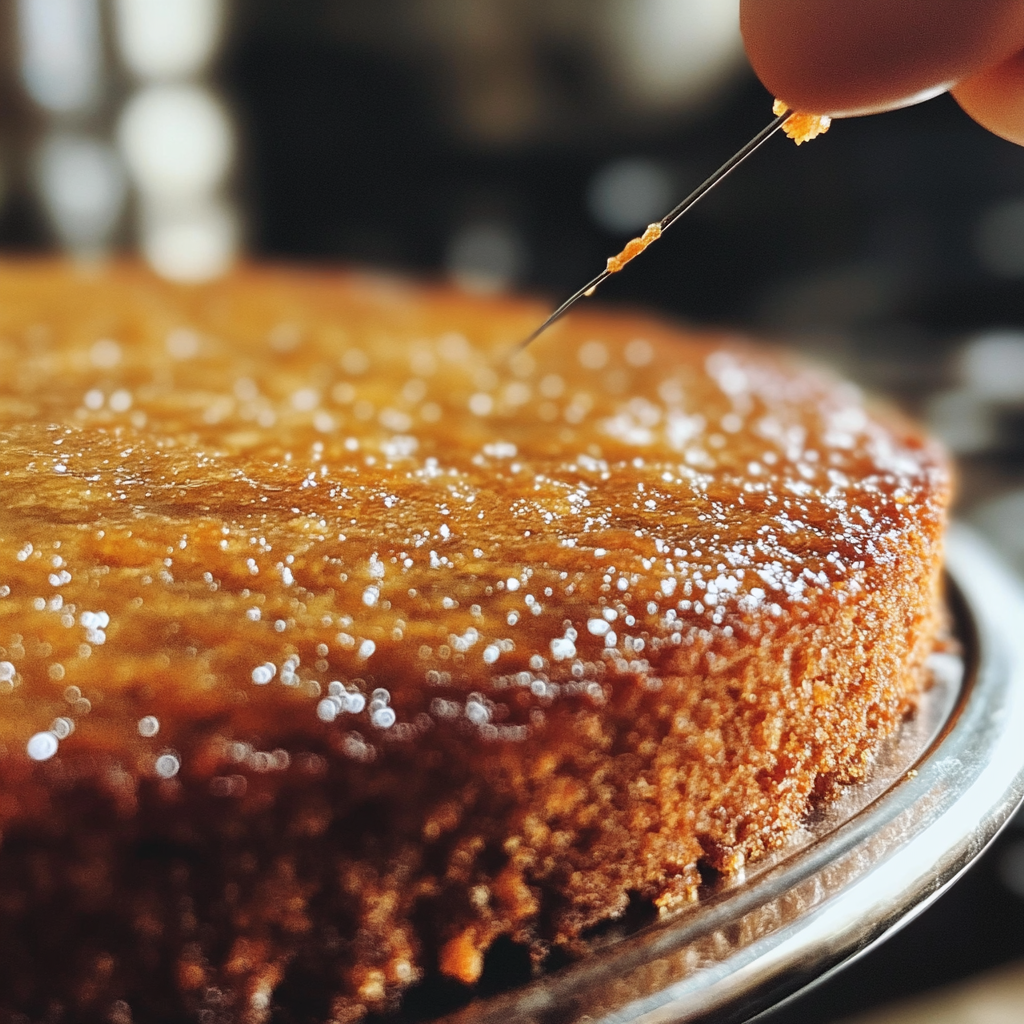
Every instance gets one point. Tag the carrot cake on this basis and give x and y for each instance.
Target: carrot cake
(338, 647)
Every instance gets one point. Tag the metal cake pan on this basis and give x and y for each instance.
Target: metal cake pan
(937, 795)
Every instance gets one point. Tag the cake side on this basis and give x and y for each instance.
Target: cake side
(334, 648)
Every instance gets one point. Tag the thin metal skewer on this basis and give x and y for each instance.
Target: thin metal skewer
(666, 222)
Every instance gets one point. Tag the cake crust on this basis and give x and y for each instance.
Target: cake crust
(334, 647)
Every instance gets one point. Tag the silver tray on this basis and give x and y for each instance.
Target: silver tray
(863, 866)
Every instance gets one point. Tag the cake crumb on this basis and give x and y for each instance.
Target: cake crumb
(802, 127)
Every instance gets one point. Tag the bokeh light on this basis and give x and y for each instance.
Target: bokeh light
(83, 188)
(177, 142)
(160, 39)
(61, 55)
(628, 193)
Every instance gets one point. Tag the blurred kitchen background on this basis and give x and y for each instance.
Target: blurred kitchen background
(515, 144)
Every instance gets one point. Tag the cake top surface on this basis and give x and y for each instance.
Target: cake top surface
(333, 499)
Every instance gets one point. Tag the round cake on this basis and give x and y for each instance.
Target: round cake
(343, 644)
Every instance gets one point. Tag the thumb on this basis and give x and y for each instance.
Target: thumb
(995, 98)
(844, 57)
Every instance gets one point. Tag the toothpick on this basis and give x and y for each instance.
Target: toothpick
(654, 231)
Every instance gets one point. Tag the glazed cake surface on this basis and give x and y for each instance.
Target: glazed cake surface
(335, 645)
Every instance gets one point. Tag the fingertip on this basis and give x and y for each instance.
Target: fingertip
(995, 98)
(841, 58)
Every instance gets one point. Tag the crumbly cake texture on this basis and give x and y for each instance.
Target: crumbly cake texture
(333, 647)
(799, 127)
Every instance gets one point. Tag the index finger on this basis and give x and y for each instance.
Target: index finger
(846, 57)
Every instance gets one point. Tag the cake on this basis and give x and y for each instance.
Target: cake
(342, 644)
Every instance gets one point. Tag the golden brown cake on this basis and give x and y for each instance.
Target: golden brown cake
(334, 647)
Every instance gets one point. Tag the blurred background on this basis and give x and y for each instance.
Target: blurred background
(515, 144)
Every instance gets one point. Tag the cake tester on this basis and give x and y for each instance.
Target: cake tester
(799, 127)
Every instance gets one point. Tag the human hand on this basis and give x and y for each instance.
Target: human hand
(849, 57)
